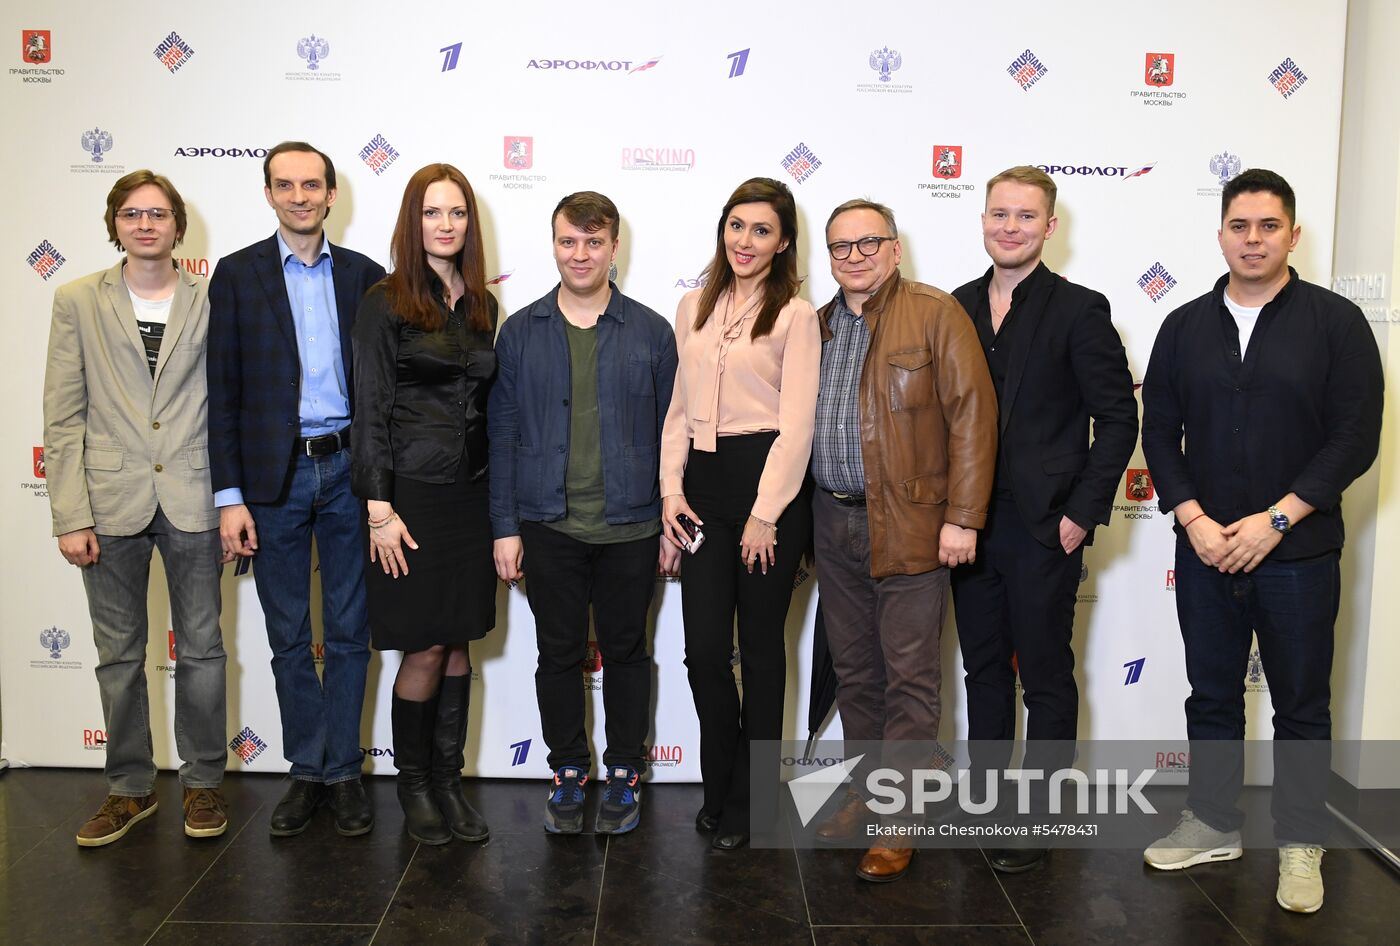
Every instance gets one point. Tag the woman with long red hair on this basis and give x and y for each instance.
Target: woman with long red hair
(424, 365)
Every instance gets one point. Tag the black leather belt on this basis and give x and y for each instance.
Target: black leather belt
(325, 445)
(848, 499)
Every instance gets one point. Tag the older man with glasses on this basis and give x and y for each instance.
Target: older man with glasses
(903, 460)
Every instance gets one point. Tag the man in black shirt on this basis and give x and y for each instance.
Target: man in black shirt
(1276, 385)
(1057, 364)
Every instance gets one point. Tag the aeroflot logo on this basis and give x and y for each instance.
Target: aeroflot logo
(1095, 170)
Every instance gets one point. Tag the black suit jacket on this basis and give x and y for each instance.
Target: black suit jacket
(254, 370)
(1068, 369)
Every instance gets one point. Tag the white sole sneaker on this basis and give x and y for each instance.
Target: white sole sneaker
(1312, 909)
(1200, 857)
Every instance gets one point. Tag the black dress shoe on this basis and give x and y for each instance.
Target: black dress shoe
(293, 813)
(354, 815)
(706, 822)
(1018, 860)
(730, 842)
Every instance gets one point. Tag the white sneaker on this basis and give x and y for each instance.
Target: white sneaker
(1192, 842)
(1300, 878)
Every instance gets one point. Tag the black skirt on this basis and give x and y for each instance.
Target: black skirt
(449, 593)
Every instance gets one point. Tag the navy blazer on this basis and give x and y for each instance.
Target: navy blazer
(254, 370)
(1068, 370)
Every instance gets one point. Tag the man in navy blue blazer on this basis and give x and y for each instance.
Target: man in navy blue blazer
(280, 381)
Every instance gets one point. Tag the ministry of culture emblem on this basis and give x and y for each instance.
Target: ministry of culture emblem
(519, 153)
(55, 639)
(38, 46)
(947, 161)
(886, 61)
(313, 49)
(1254, 670)
(96, 142)
(1161, 69)
(1225, 166)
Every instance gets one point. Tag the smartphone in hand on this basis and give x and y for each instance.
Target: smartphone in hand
(692, 531)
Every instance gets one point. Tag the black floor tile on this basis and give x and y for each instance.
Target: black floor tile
(522, 888)
(60, 893)
(1112, 897)
(725, 898)
(45, 798)
(920, 935)
(17, 842)
(260, 934)
(941, 887)
(1358, 907)
(516, 806)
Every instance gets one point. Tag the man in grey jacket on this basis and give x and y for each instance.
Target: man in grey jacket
(127, 461)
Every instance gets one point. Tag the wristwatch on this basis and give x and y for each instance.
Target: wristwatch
(1279, 521)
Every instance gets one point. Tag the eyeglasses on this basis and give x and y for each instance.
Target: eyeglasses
(133, 214)
(869, 246)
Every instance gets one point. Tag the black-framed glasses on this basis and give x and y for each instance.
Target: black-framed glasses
(869, 246)
(133, 214)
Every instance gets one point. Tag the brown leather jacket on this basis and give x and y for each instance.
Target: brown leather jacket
(928, 424)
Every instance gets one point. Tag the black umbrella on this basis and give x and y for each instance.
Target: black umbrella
(822, 693)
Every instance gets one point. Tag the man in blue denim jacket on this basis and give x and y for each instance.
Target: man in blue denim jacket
(584, 380)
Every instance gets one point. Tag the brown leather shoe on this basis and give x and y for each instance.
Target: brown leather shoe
(206, 813)
(881, 865)
(844, 821)
(112, 821)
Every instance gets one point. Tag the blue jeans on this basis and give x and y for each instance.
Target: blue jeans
(116, 592)
(320, 717)
(1292, 607)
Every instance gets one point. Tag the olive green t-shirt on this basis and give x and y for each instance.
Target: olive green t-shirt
(585, 518)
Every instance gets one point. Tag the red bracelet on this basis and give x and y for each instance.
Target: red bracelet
(1193, 519)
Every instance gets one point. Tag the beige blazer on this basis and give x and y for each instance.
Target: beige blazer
(117, 442)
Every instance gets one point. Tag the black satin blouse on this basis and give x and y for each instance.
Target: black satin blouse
(420, 397)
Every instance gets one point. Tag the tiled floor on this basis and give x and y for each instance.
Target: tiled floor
(660, 884)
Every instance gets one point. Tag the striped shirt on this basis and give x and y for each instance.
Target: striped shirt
(837, 465)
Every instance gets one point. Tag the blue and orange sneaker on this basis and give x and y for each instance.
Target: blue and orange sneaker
(563, 813)
(621, 809)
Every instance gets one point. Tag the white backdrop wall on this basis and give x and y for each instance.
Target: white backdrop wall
(666, 110)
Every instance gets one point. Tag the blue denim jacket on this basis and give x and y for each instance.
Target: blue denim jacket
(527, 418)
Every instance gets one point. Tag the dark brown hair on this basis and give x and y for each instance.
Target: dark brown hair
(127, 184)
(588, 210)
(1259, 180)
(782, 282)
(410, 284)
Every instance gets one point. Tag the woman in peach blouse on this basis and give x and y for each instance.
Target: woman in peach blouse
(734, 454)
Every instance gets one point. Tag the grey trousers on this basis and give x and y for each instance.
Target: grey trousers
(116, 592)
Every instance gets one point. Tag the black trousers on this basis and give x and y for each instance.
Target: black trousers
(715, 584)
(1017, 600)
(564, 577)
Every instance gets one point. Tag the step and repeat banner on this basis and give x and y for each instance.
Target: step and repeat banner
(1139, 117)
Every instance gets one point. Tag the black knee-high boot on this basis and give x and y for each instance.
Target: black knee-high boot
(449, 737)
(413, 749)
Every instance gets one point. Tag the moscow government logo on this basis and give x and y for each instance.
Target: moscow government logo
(519, 152)
(37, 45)
(1160, 69)
(947, 161)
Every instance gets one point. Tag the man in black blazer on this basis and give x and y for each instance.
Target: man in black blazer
(279, 363)
(1057, 364)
